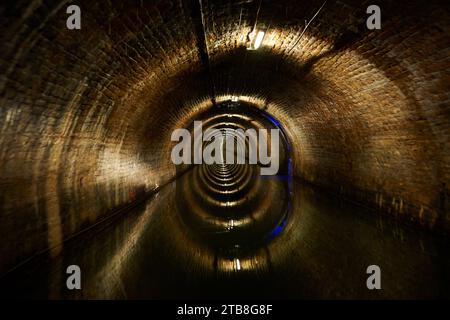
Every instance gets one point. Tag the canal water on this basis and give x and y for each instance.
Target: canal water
(310, 245)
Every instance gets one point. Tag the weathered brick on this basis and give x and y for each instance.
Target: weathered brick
(86, 116)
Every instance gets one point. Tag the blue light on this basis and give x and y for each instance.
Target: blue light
(278, 229)
(278, 125)
(273, 120)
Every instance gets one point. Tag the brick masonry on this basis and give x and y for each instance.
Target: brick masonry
(86, 116)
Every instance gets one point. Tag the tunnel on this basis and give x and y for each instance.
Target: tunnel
(88, 183)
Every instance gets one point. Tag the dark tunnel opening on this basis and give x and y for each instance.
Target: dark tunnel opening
(216, 149)
(231, 204)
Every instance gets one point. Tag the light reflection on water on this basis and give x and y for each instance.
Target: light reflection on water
(322, 251)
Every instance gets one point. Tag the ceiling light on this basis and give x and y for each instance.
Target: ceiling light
(259, 39)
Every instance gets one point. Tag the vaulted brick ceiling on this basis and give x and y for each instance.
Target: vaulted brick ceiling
(86, 115)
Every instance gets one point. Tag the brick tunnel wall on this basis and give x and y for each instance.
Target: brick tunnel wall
(86, 115)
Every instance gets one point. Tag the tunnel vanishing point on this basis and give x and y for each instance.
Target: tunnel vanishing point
(86, 177)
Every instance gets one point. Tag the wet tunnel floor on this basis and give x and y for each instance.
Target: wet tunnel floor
(321, 252)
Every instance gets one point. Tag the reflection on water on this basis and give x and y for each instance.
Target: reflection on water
(235, 210)
(321, 250)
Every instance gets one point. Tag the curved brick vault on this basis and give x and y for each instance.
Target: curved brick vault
(86, 115)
